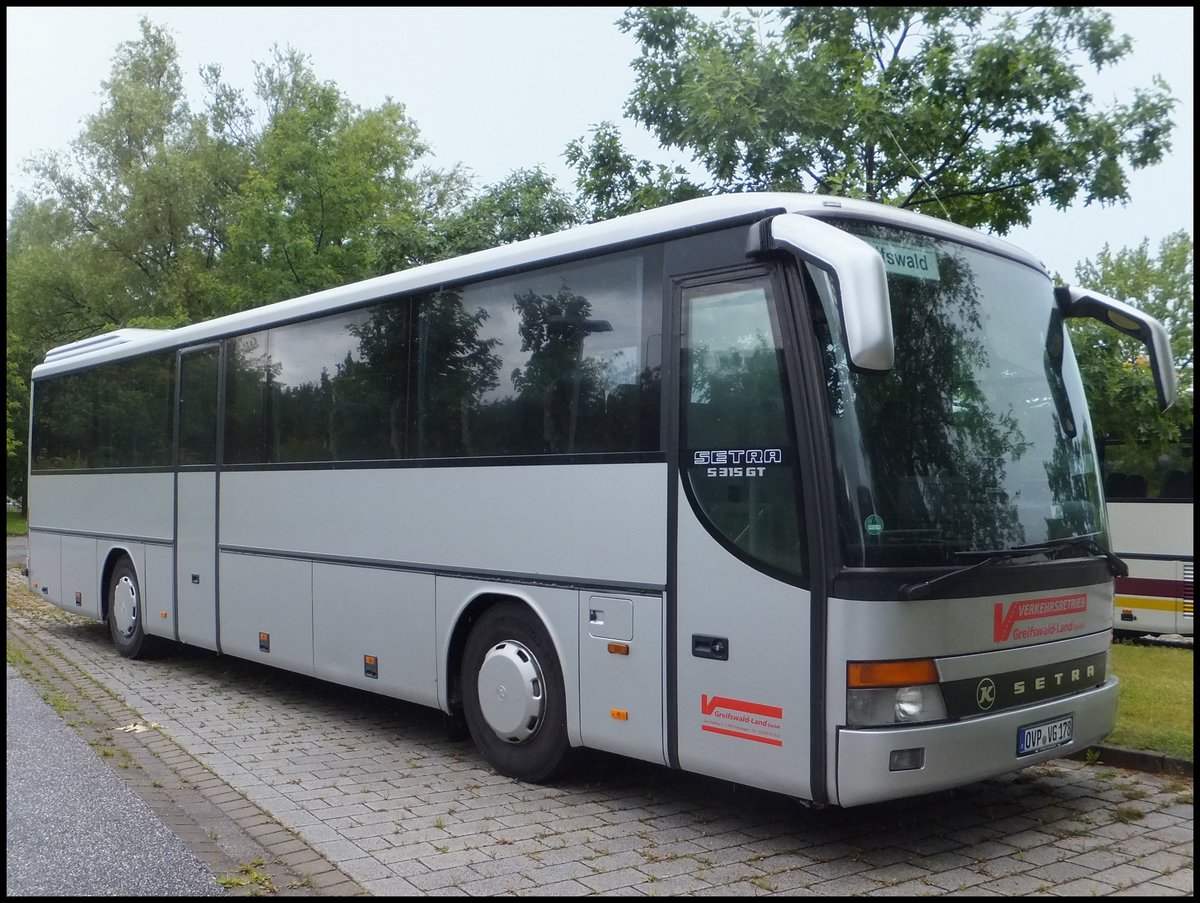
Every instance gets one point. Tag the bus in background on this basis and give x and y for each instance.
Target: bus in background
(798, 492)
(1150, 521)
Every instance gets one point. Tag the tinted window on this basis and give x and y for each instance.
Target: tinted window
(739, 456)
(979, 437)
(332, 389)
(247, 373)
(558, 361)
(1136, 472)
(114, 416)
(198, 407)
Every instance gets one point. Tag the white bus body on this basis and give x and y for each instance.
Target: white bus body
(654, 486)
(1151, 524)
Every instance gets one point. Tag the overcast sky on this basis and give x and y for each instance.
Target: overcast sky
(500, 88)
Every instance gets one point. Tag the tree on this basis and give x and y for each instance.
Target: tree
(1116, 371)
(328, 179)
(159, 216)
(132, 205)
(526, 204)
(612, 182)
(968, 113)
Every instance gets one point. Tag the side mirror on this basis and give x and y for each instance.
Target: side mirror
(858, 275)
(1074, 301)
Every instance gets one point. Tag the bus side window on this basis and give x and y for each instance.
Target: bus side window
(1177, 485)
(1125, 486)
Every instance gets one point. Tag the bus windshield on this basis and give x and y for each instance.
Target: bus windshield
(979, 438)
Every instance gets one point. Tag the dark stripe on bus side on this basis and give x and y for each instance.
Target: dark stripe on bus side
(1149, 586)
(1143, 556)
(115, 537)
(563, 460)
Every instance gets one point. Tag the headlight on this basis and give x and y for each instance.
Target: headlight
(885, 693)
(894, 705)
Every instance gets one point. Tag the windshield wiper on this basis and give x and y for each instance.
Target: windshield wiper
(1087, 543)
(1051, 548)
(1057, 548)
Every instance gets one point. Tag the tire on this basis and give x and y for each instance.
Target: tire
(513, 698)
(126, 612)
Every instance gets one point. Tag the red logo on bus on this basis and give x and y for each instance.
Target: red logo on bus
(741, 719)
(1003, 621)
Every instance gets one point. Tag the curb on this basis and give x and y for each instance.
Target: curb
(1136, 760)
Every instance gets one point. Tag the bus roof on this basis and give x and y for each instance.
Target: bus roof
(686, 217)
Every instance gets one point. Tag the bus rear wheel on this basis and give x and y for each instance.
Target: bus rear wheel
(125, 612)
(513, 697)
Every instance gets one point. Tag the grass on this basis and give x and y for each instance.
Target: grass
(1155, 707)
(17, 525)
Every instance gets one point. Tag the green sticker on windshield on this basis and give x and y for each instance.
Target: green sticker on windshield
(874, 524)
(906, 261)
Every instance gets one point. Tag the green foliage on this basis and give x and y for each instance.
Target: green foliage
(968, 113)
(526, 204)
(159, 215)
(1116, 371)
(134, 193)
(325, 179)
(16, 404)
(612, 182)
(14, 394)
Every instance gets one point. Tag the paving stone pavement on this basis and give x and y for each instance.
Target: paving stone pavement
(340, 792)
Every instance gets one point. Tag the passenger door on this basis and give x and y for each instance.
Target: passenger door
(742, 609)
(196, 497)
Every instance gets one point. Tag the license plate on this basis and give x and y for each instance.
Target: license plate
(1035, 738)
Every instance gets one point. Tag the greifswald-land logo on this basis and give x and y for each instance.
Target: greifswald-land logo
(1003, 621)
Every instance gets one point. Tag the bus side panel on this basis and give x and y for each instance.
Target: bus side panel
(159, 579)
(1155, 598)
(374, 629)
(744, 711)
(1161, 528)
(96, 512)
(621, 674)
(136, 506)
(1155, 538)
(267, 611)
(587, 521)
(45, 565)
(81, 574)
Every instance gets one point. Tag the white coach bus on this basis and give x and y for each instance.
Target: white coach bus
(793, 491)
(1151, 522)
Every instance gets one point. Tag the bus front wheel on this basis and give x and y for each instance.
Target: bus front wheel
(125, 612)
(513, 697)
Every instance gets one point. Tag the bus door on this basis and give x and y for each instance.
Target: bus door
(742, 612)
(196, 496)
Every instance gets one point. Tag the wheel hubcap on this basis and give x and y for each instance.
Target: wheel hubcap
(512, 694)
(125, 606)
